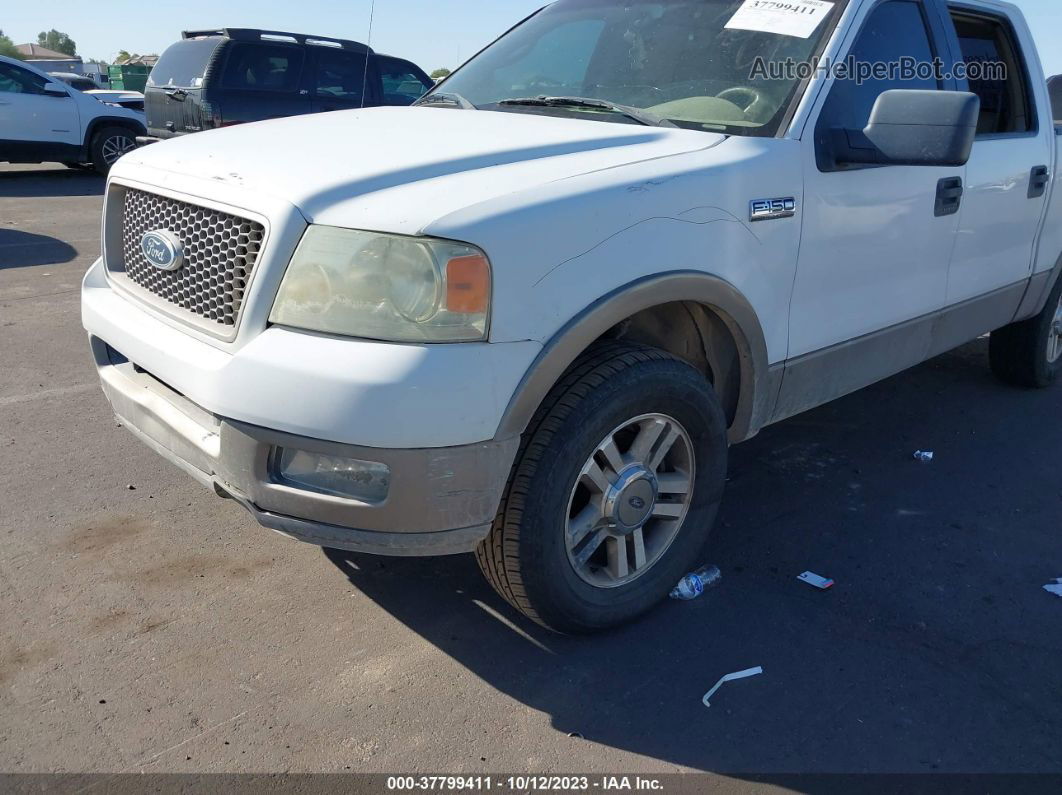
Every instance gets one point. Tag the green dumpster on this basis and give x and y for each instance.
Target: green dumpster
(128, 77)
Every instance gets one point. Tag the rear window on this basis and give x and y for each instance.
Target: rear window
(184, 64)
(262, 67)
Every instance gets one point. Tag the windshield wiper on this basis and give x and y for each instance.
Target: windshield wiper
(445, 98)
(636, 114)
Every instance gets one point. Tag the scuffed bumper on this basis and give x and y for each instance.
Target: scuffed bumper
(441, 501)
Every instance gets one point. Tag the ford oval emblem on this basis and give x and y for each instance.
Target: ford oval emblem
(162, 249)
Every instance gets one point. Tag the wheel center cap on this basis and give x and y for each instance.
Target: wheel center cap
(631, 500)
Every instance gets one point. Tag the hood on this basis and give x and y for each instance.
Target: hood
(399, 169)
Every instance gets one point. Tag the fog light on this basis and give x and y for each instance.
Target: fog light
(366, 481)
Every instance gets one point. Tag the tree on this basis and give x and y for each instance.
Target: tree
(58, 41)
(439, 74)
(7, 47)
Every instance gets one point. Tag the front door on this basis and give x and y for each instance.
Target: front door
(874, 254)
(30, 115)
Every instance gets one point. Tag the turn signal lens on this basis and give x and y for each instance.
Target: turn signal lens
(468, 284)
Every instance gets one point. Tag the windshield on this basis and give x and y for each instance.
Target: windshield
(691, 62)
(184, 63)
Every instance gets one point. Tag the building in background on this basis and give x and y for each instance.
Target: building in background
(49, 60)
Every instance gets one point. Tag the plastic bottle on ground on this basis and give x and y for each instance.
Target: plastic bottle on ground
(696, 583)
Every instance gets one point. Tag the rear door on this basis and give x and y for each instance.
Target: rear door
(261, 80)
(344, 79)
(1006, 178)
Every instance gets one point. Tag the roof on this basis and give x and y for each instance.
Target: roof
(37, 52)
(255, 34)
(139, 60)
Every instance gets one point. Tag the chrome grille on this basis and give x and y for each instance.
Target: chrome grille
(220, 251)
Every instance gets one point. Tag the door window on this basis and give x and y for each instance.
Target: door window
(14, 80)
(401, 83)
(987, 44)
(341, 75)
(895, 31)
(263, 67)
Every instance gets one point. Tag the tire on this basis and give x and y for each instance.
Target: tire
(1029, 353)
(616, 390)
(108, 145)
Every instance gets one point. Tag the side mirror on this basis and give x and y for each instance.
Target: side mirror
(55, 90)
(913, 128)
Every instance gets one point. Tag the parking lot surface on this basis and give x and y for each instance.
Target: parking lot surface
(149, 626)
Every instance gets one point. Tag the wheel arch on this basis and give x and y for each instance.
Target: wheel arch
(98, 123)
(1036, 294)
(721, 315)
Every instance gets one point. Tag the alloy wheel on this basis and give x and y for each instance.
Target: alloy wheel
(630, 500)
(115, 146)
(1054, 335)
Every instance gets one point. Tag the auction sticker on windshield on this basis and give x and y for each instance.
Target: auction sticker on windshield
(798, 18)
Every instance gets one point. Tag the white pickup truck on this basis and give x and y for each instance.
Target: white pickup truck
(527, 317)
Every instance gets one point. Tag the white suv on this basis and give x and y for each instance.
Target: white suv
(528, 317)
(44, 120)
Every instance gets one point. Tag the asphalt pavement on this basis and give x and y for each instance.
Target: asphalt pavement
(148, 626)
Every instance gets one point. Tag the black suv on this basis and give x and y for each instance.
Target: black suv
(215, 78)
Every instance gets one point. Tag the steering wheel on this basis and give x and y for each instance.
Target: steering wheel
(747, 98)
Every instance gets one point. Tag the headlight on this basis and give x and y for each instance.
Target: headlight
(385, 287)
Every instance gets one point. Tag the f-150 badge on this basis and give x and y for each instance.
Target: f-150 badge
(770, 209)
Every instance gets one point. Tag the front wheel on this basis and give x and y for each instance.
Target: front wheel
(108, 145)
(1029, 353)
(614, 490)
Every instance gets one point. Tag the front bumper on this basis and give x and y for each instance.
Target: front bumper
(441, 501)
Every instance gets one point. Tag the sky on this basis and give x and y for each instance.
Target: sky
(432, 33)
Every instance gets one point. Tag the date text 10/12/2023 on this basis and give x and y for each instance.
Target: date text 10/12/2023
(522, 783)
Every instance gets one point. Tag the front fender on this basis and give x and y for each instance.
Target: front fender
(756, 395)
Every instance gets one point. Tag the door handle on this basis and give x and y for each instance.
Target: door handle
(1041, 176)
(949, 196)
